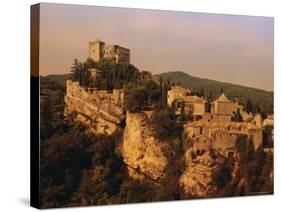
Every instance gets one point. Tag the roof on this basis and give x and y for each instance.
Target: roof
(222, 98)
(177, 88)
(94, 70)
(195, 99)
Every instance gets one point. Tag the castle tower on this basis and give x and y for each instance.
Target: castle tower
(96, 50)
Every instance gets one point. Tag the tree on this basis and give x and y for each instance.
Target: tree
(135, 97)
(221, 90)
(267, 136)
(249, 105)
(164, 97)
(237, 116)
(208, 103)
(75, 69)
(153, 91)
(165, 126)
(201, 93)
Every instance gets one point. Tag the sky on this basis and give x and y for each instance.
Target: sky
(227, 48)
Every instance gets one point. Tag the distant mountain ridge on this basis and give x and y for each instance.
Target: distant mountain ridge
(59, 78)
(260, 98)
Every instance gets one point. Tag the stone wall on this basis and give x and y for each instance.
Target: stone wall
(221, 136)
(226, 108)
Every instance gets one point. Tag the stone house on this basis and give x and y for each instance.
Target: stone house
(177, 93)
(194, 105)
(222, 109)
(181, 99)
(223, 106)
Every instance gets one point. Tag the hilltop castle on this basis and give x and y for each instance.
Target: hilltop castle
(99, 50)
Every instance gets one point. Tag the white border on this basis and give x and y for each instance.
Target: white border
(14, 105)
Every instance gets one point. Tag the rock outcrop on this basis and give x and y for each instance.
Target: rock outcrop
(202, 172)
(141, 151)
(100, 111)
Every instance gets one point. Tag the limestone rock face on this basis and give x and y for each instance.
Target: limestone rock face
(89, 115)
(198, 178)
(141, 151)
(100, 111)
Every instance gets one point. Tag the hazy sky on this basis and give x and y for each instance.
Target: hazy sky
(235, 49)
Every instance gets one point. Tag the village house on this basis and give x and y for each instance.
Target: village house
(222, 109)
(223, 106)
(195, 106)
(177, 93)
(182, 100)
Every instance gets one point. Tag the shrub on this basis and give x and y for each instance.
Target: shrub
(165, 126)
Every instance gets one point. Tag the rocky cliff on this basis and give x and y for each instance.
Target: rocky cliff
(100, 111)
(141, 151)
(207, 173)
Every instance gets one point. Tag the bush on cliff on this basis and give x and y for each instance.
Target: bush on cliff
(141, 95)
(165, 125)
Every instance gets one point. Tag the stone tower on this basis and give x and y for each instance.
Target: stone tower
(96, 49)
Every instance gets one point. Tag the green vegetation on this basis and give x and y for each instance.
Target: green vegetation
(222, 178)
(256, 167)
(237, 116)
(261, 100)
(59, 79)
(112, 75)
(143, 94)
(51, 108)
(267, 136)
(165, 126)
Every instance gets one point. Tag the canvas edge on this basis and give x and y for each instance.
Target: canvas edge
(34, 106)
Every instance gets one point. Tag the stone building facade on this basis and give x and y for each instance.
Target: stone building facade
(223, 106)
(180, 98)
(176, 93)
(194, 105)
(221, 136)
(100, 50)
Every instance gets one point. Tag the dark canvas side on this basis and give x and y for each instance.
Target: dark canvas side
(34, 107)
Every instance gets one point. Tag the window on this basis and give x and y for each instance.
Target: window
(179, 104)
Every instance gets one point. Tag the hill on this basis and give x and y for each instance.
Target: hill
(261, 99)
(58, 78)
